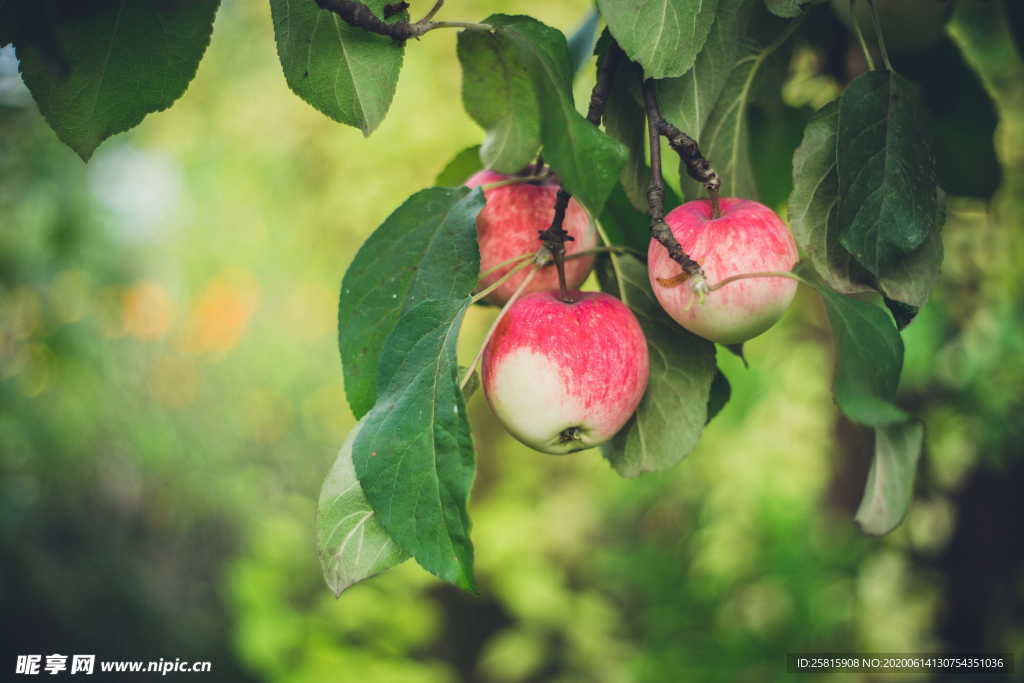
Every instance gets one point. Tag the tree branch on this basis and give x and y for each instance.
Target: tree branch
(555, 237)
(656, 192)
(697, 167)
(359, 15)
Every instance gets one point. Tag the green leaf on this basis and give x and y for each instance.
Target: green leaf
(426, 249)
(721, 392)
(887, 192)
(623, 224)
(586, 160)
(663, 36)
(498, 92)
(869, 358)
(687, 101)
(460, 168)
(672, 414)
(351, 541)
(788, 9)
(909, 279)
(347, 73)
(890, 485)
(624, 120)
(812, 205)
(100, 70)
(414, 454)
(581, 42)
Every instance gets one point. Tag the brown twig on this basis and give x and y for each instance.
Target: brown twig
(656, 193)
(697, 167)
(359, 15)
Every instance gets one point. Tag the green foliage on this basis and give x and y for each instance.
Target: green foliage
(499, 93)
(688, 101)
(101, 69)
(425, 250)
(869, 359)
(414, 453)
(586, 160)
(663, 36)
(788, 9)
(887, 204)
(672, 414)
(352, 543)
(890, 486)
(460, 168)
(345, 72)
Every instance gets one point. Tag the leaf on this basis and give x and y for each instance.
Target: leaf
(869, 358)
(581, 42)
(788, 9)
(624, 120)
(460, 168)
(663, 36)
(812, 205)
(345, 72)
(498, 92)
(414, 454)
(623, 224)
(426, 249)
(672, 414)
(352, 543)
(907, 280)
(721, 392)
(890, 486)
(887, 193)
(586, 160)
(687, 101)
(99, 69)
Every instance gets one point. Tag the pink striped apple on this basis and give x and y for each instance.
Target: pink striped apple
(748, 237)
(508, 226)
(563, 376)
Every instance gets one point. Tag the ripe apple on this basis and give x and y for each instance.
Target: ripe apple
(748, 237)
(563, 376)
(508, 226)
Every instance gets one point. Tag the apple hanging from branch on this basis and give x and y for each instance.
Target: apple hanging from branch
(508, 225)
(747, 237)
(564, 376)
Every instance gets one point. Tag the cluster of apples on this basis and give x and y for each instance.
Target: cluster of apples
(562, 376)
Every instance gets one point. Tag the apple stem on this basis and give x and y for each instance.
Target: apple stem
(716, 210)
(359, 15)
(879, 37)
(656, 190)
(499, 282)
(490, 333)
(746, 276)
(860, 37)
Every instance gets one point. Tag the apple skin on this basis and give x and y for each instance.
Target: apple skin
(508, 226)
(565, 377)
(746, 238)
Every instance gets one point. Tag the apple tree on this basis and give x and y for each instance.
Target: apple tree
(550, 193)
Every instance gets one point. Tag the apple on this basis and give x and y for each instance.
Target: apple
(509, 224)
(747, 237)
(563, 377)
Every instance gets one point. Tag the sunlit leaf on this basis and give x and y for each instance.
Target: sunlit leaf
(890, 486)
(352, 543)
(414, 455)
(345, 72)
(499, 93)
(663, 36)
(426, 249)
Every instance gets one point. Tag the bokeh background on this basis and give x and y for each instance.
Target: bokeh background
(171, 398)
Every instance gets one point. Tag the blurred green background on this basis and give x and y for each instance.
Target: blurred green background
(171, 399)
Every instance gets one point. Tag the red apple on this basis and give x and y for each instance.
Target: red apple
(563, 376)
(508, 227)
(748, 237)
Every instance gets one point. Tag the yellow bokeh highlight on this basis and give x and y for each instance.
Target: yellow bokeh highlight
(147, 311)
(221, 312)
